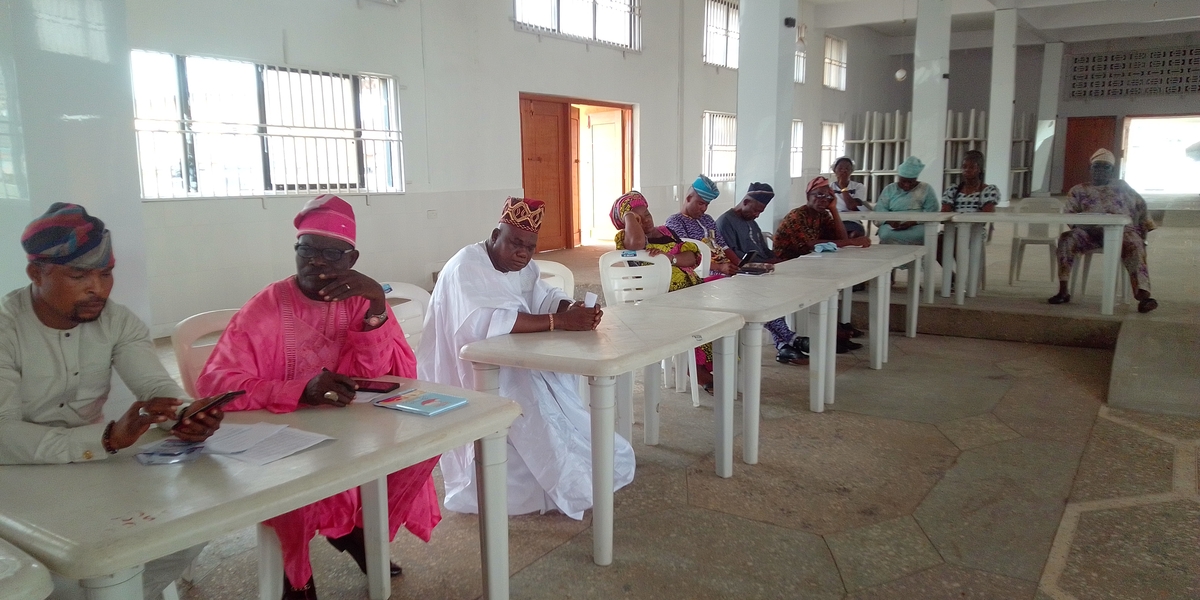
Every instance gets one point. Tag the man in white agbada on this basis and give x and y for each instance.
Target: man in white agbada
(494, 288)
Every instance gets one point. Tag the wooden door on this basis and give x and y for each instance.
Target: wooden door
(545, 173)
(1086, 135)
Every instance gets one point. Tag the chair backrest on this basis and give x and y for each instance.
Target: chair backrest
(705, 256)
(770, 237)
(191, 356)
(1038, 206)
(626, 283)
(558, 275)
(409, 303)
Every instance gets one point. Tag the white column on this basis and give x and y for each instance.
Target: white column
(1043, 148)
(1000, 106)
(14, 194)
(766, 59)
(931, 86)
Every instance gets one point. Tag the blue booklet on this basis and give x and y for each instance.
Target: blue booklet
(421, 402)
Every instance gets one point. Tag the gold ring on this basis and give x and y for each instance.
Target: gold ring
(331, 396)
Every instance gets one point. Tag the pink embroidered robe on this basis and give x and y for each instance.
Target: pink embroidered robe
(273, 346)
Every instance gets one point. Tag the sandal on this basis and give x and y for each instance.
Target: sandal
(1059, 299)
(307, 591)
(1147, 305)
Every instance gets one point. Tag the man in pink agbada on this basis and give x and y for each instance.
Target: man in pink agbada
(297, 344)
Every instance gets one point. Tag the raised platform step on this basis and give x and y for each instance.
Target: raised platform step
(1156, 368)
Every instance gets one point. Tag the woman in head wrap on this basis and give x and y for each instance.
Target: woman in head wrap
(814, 223)
(636, 231)
(906, 194)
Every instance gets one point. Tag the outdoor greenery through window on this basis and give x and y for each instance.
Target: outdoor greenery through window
(214, 127)
(797, 148)
(616, 22)
(835, 63)
(833, 143)
(721, 33)
(720, 145)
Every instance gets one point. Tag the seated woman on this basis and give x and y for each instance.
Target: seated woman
(970, 194)
(814, 223)
(906, 194)
(636, 231)
(851, 195)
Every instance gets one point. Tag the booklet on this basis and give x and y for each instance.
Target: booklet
(422, 403)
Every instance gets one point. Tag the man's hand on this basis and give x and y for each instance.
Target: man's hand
(329, 388)
(140, 417)
(724, 268)
(349, 284)
(198, 427)
(861, 242)
(578, 317)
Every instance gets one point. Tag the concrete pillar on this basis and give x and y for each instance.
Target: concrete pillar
(764, 110)
(931, 86)
(1000, 106)
(1043, 144)
(14, 193)
(75, 99)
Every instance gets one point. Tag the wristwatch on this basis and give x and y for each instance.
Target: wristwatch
(674, 260)
(376, 320)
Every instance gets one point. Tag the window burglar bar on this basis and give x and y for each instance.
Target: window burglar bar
(612, 22)
(231, 128)
(720, 145)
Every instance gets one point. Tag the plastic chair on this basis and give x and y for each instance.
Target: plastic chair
(770, 237)
(409, 303)
(188, 355)
(705, 268)
(1037, 234)
(557, 275)
(1124, 291)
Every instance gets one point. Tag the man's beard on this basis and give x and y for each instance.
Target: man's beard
(79, 318)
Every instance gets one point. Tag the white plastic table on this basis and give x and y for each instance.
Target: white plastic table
(969, 248)
(930, 244)
(100, 522)
(629, 337)
(22, 577)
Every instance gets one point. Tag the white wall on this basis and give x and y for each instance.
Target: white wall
(971, 79)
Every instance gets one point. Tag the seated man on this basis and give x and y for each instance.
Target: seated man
(60, 339)
(493, 288)
(694, 222)
(297, 344)
(1113, 196)
(740, 230)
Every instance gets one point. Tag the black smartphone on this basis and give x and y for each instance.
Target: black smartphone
(204, 404)
(376, 386)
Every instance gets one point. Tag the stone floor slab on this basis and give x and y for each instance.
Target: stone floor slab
(1134, 553)
(827, 472)
(976, 431)
(1183, 428)
(685, 554)
(1119, 461)
(1051, 408)
(882, 552)
(949, 582)
(927, 389)
(999, 508)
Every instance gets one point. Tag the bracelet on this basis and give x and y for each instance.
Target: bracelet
(674, 260)
(106, 439)
(551, 321)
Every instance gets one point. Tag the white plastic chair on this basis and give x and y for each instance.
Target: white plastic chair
(1038, 234)
(557, 275)
(188, 355)
(1124, 291)
(706, 251)
(409, 303)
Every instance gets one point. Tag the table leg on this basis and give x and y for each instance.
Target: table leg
(978, 233)
(818, 330)
(914, 300)
(724, 380)
(374, 496)
(752, 364)
(847, 305)
(602, 468)
(122, 585)
(930, 258)
(885, 315)
(962, 252)
(875, 332)
(652, 394)
(625, 405)
(270, 563)
(491, 471)
(487, 378)
(831, 329)
(948, 245)
(1112, 256)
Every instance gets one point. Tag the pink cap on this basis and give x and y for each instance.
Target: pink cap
(329, 216)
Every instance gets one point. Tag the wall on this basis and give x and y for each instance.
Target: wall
(971, 79)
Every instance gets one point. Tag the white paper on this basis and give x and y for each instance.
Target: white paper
(589, 299)
(230, 438)
(281, 445)
(361, 396)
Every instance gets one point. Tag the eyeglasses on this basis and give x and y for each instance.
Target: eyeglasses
(329, 254)
(823, 197)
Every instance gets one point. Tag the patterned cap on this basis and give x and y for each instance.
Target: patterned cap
(817, 182)
(911, 168)
(705, 188)
(523, 213)
(67, 235)
(760, 192)
(1105, 156)
(328, 216)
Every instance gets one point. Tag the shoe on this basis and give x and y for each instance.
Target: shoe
(1147, 305)
(355, 544)
(854, 331)
(307, 592)
(844, 346)
(800, 345)
(1059, 299)
(790, 356)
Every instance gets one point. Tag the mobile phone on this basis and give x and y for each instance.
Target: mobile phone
(374, 385)
(204, 404)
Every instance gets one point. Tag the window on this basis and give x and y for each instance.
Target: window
(721, 33)
(213, 127)
(835, 63)
(801, 65)
(833, 142)
(797, 148)
(616, 22)
(720, 145)
(10, 162)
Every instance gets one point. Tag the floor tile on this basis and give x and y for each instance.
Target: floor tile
(927, 389)
(973, 432)
(882, 552)
(1050, 408)
(949, 582)
(1119, 461)
(1183, 428)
